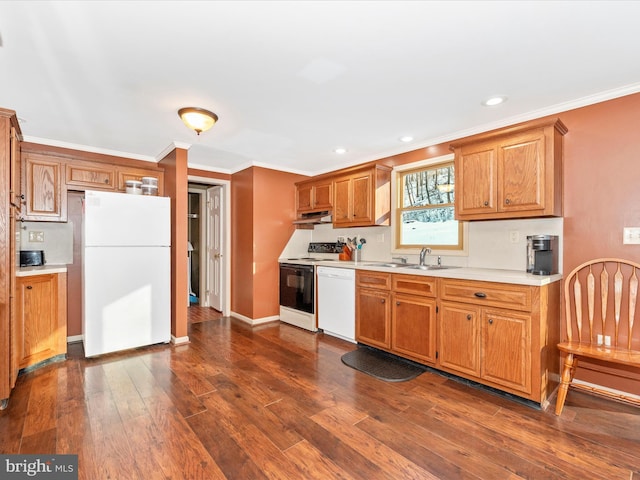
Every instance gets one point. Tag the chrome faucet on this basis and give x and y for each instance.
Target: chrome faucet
(423, 252)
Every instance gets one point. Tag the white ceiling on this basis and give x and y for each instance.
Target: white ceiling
(291, 81)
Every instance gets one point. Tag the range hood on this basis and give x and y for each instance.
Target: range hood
(313, 218)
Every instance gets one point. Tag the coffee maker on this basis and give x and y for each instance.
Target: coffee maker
(542, 254)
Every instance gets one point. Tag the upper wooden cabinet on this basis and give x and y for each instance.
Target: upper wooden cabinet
(124, 173)
(510, 173)
(44, 189)
(362, 197)
(314, 196)
(90, 175)
(47, 178)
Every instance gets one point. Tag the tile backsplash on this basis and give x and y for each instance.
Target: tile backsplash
(57, 240)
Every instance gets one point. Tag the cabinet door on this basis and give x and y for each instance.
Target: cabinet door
(90, 175)
(521, 173)
(506, 349)
(476, 177)
(342, 201)
(304, 198)
(46, 198)
(39, 336)
(323, 195)
(413, 320)
(373, 317)
(459, 347)
(362, 202)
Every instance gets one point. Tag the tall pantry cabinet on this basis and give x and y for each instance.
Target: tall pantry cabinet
(10, 192)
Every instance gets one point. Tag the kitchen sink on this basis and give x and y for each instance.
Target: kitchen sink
(429, 267)
(390, 265)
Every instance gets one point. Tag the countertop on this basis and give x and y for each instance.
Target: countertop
(43, 270)
(462, 273)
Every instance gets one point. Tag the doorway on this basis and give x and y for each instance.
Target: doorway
(209, 243)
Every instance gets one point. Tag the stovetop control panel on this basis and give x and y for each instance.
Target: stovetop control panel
(324, 247)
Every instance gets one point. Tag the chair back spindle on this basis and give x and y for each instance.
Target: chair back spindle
(605, 339)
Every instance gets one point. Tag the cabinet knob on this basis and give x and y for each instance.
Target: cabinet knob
(106, 180)
(491, 321)
(480, 295)
(397, 303)
(469, 317)
(486, 204)
(382, 300)
(29, 287)
(507, 201)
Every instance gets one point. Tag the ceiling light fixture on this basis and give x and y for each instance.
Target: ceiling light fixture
(197, 119)
(493, 101)
(406, 138)
(340, 150)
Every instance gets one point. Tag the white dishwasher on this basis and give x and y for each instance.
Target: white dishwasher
(337, 302)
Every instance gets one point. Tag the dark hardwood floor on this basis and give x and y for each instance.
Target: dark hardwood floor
(276, 402)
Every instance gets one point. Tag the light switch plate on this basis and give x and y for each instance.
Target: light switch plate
(631, 235)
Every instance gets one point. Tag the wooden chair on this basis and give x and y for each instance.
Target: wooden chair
(599, 319)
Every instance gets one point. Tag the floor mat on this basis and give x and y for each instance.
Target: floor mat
(382, 365)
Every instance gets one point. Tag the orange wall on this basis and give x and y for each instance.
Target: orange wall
(262, 210)
(242, 277)
(274, 212)
(175, 186)
(601, 196)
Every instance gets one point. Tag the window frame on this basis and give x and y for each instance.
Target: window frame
(397, 196)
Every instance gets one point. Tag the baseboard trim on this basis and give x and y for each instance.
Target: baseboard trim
(255, 321)
(75, 338)
(611, 393)
(180, 340)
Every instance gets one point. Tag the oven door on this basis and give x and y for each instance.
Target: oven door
(297, 287)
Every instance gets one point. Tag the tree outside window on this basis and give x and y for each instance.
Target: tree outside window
(425, 208)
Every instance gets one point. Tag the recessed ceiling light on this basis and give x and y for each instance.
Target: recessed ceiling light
(340, 150)
(493, 101)
(406, 138)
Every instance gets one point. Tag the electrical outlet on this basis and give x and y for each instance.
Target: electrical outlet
(631, 235)
(380, 238)
(607, 340)
(35, 236)
(514, 236)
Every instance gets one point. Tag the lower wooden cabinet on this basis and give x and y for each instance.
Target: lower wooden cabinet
(41, 316)
(373, 311)
(501, 335)
(397, 313)
(493, 345)
(459, 347)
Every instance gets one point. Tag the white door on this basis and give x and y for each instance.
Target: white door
(215, 262)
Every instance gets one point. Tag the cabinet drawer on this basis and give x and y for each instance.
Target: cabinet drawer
(514, 297)
(414, 284)
(373, 279)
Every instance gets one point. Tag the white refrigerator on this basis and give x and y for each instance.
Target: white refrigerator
(126, 285)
